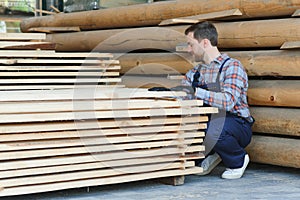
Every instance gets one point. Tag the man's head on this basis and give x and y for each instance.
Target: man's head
(201, 37)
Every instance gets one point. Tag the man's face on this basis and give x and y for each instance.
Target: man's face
(195, 47)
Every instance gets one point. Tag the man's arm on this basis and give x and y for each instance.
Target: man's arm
(235, 81)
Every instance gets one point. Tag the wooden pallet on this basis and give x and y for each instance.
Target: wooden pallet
(60, 139)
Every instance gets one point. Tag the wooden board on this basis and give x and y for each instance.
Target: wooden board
(22, 36)
(54, 29)
(291, 45)
(296, 13)
(94, 124)
(202, 17)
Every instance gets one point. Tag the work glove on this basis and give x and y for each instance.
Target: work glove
(187, 89)
(159, 89)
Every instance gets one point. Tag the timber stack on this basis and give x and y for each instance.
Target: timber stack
(67, 122)
(264, 35)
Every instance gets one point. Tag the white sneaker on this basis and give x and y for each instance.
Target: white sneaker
(236, 173)
(209, 163)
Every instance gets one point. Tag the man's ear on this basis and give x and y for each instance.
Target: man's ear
(206, 43)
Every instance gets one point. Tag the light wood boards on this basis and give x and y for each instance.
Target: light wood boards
(134, 134)
(46, 69)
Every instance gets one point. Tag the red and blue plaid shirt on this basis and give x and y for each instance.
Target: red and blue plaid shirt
(233, 84)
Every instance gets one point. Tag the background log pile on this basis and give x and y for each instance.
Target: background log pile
(265, 37)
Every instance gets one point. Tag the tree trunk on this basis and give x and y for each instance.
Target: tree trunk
(153, 14)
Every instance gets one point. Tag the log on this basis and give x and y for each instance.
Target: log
(280, 121)
(256, 63)
(133, 16)
(274, 93)
(244, 34)
(54, 29)
(275, 151)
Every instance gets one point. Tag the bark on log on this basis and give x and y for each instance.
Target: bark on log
(246, 34)
(274, 93)
(256, 63)
(275, 151)
(281, 121)
(153, 14)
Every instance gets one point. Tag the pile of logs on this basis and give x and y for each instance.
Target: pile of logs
(264, 35)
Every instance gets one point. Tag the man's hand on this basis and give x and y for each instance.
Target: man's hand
(159, 89)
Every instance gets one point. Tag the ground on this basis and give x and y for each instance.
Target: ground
(259, 182)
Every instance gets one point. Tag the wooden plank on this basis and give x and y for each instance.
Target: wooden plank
(175, 181)
(86, 166)
(27, 45)
(115, 114)
(202, 17)
(54, 29)
(58, 74)
(99, 132)
(274, 93)
(275, 151)
(100, 140)
(59, 80)
(51, 53)
(80, 125)
(22, 36)
(60, 68)
(113, 160)
(279, 121)
(96, 181)
(58, 61)
(62, 106)
(291, 45)
(296, 13)
(70, 176)
(55, 87)
(81, 94)
(104, 150)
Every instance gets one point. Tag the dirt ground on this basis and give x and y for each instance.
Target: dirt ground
(259, 182)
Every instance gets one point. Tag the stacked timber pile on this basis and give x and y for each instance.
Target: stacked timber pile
(264, 35)
(25, 67)
(59, 139)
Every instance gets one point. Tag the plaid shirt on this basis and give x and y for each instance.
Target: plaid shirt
(233, 84)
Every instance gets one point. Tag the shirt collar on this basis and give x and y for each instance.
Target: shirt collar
(220, 59)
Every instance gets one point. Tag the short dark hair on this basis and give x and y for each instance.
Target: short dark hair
(204, 30)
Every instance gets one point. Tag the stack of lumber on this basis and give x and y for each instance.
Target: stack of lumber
(69, 138)
(24, 68)
(264, 35)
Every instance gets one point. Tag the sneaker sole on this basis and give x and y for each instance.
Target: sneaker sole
(210, 168)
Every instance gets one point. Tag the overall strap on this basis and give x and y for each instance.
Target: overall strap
(221, 68)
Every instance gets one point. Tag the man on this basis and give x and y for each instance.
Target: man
(220, 82)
